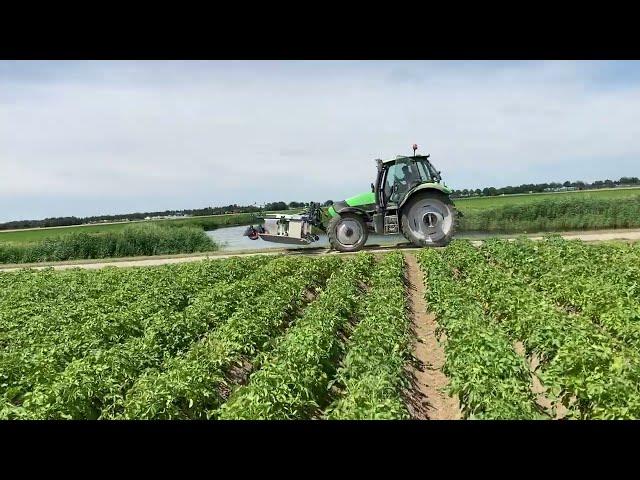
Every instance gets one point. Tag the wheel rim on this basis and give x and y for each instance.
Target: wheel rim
(430, 219)
(349, 232)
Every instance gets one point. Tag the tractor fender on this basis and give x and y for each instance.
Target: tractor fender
(426, 186)
(342, 207)
(355, 210)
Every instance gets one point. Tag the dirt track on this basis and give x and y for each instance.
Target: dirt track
(593, 236)
(426, 398)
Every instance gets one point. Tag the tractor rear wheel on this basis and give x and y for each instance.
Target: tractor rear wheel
(347, 232)
(429, 219)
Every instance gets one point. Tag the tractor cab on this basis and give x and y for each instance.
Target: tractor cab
(399, 176)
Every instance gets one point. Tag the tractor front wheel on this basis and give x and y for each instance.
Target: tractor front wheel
(347, 232)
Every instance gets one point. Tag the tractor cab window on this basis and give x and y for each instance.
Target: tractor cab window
(401, 177)
(390, 182)
(425, 171)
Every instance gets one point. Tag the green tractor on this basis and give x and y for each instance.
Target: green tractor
(408, 197)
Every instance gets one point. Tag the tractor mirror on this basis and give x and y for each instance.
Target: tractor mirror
(373, 188)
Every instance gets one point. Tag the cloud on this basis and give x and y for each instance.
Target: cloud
(95, 137)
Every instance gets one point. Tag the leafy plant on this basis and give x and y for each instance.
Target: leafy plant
(372, 376)
(294, 377)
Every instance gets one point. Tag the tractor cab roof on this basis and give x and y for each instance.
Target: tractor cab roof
(407, 157)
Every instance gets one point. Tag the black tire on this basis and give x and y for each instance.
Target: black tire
(420, 198)
(332, 229)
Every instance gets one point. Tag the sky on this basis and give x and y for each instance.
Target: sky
(103, 137)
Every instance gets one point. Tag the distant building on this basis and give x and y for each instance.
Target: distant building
(559, 189)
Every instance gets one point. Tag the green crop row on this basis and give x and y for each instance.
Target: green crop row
(372, 377)
(574, 277)
(194, 384)
(577, 359)
(81, 393)
(485, 372)
(325, 337)
(175, 341)
(89, 330)
(293, 379)
(210, 222)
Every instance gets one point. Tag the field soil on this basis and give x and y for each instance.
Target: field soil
(426, 399)
(591, 236)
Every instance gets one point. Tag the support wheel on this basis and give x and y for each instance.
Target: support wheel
(347, 232)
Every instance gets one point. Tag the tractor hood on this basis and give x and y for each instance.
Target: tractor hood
(362, 199)
(365, 201)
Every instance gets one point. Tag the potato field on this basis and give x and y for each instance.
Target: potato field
(529, 330)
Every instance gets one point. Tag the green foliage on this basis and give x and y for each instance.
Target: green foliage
(372, 376)
(603, 282)
(133, 240)
(566, 213)
(324, 337)
(106, 374)
(192, 385)
(487, 375)
(56, 325)
(577, 359)
(211, 222)
(293, 378)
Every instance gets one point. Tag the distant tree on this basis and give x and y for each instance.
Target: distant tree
(276, 206)
(566, 184)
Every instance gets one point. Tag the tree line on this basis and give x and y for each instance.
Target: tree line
(280, 206)
(545, 187)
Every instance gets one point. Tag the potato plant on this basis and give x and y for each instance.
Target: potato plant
(490, 379)
(192, 385)
(577, 358)
(293, 379)
(327, 337)
(372, 378)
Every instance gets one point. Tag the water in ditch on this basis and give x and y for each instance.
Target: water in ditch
(231, 239)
